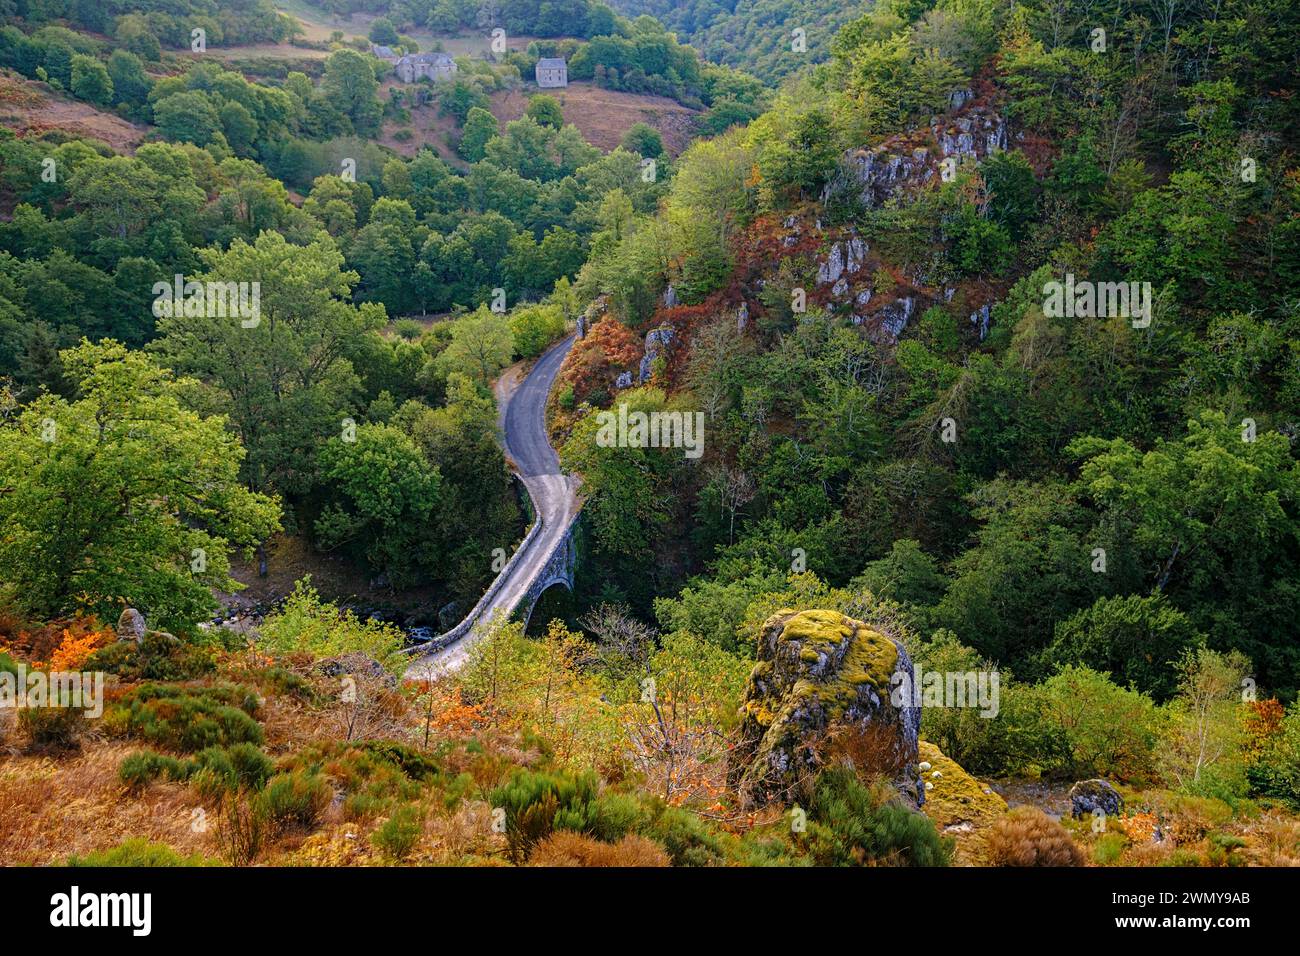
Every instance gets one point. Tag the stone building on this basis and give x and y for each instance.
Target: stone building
(417, 66)
(552, 72)
(434, 66)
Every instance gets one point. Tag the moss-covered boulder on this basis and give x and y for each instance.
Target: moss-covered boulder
(953, 798)
(822, 683)
(1095, 796)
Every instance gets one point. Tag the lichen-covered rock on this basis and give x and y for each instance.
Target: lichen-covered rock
(819, 674)
(1090, 796)
(955, 797)
(893, 318)
(131, 626)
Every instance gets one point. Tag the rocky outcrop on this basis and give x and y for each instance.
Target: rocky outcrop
(657, 342)
(131, 627)
(843, 258)
(899, 164)
(821, 677)
(1093, 796)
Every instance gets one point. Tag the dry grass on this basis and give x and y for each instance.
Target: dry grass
(1027, 836)
(1273, 840)
(30, 108)
(565, 848)
(75, 805)
(604, 115)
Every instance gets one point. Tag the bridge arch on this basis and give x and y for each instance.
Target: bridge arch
(558, 570)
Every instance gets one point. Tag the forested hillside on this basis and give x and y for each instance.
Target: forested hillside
(963, 345)
(757, 35)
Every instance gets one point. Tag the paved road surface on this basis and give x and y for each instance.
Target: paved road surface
(523, 427)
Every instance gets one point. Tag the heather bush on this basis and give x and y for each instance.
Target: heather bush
(294, 800)
(1026, 836)
(191, 718)
(397, 836)
(856, 824)
(566, 848)
(53, 728)
(143, 767)
(216, 770)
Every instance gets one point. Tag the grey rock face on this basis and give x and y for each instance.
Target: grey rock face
(981, 318)
(624, 380)
(833, 268)
(131, 626)
(656, 341)
(895, 316)
(879, 174)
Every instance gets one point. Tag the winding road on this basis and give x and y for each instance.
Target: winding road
(521, 401)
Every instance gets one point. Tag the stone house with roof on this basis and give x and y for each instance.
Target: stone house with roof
(552, 72)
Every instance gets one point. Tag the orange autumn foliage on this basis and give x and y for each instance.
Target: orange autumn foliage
(1263, 719)
(75, 649)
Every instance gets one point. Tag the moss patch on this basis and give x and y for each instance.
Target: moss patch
(956, 796)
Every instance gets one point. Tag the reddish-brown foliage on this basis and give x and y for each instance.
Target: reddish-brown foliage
(1029, 837)
(566, 848)
(595, 360)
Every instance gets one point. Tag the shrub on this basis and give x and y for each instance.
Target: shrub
(1026, 836)
(566, 848)
(53, 728)
(192, 718)
(160, 660)
(398, 835)
(284, 681)
(858, 825)
(306, 623)
(141, 768)
(1223, 850)
(1275, 772)
(684, 835)
(239, 766)
(408, 329)
(241, 829)
(138, 851)
(532, 801)
(1108, 730)
(1109, 848)
(294, 800)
